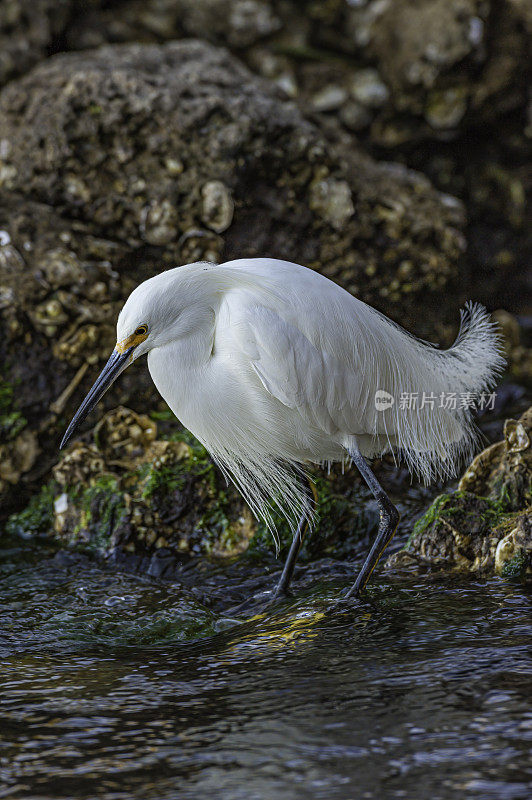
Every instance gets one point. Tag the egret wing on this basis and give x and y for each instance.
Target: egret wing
(291, 368)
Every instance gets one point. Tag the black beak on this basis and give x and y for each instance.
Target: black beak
(116, 364)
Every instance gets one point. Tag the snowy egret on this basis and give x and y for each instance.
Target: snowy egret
(273, 366)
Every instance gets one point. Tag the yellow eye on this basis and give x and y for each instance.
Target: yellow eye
(142, 330)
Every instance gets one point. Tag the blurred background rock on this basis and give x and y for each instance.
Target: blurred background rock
(383, 143)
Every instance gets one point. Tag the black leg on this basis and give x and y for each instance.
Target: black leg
(387, 526)
(266, 599)
(283, 587)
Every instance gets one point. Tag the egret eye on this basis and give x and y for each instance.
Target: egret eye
(142, 330)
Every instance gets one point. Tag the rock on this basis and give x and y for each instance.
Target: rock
(331, 98)
(17, 457)
(433, 66)
(126, 160)
(158, 222)
(28, 31)
(452, 61)
(502, 472)
(518, 356)
(332, 200)
(128, 490)
(368, 89)
(123, 436)
(236, 23)
(355, 117)
(514, 551)
(446, 109)
(486, 525)
(217, 206)
(61, 302)
(131, 490)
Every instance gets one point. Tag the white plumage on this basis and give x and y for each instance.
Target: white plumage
(271, 365)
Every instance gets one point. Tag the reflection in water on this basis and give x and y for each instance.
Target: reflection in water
(114, 687)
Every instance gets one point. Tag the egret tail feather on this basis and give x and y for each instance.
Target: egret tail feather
(435, 391)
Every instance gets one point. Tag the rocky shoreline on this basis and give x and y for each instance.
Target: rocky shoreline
(485, 526)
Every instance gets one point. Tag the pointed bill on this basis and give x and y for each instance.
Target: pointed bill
(116, 364)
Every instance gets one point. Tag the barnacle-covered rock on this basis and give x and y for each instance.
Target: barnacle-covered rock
(84, 344)
(61, 300)
(48, 317)
(130, 491)
(17, 457)
(330, 98)
(486, 525)
(217, 206)
(331, 199)
(504, 470)
(513, 555)
(61, 267)
(235, 23)
(28, 30)
(18, 445)
(445, 109)
(367, 87)
(292, 194)
(123, 435)
(427, 74)
(439, 64)
(78, 465)
(158, 222)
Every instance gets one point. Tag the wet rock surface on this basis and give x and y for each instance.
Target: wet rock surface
(485, 526)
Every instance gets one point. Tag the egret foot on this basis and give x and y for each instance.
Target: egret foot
(261, 602)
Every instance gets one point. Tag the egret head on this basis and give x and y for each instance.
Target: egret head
(158, 311)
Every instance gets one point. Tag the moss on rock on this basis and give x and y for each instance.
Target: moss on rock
(486, 524)
(12, 422)
(130, 490)
(37, 518)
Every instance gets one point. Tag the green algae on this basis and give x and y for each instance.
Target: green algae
(38, 516)
(102, 509)
(493, 512)
(515, 567)
(12, 422)
(432, 514)
(160, 481)
(169, 478)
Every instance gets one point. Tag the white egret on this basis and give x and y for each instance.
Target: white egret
(272, 366)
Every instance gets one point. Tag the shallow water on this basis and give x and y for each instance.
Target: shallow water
(118, 687)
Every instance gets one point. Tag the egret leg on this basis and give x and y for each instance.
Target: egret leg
(387, 525)
(282, 590)
(283, 587)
